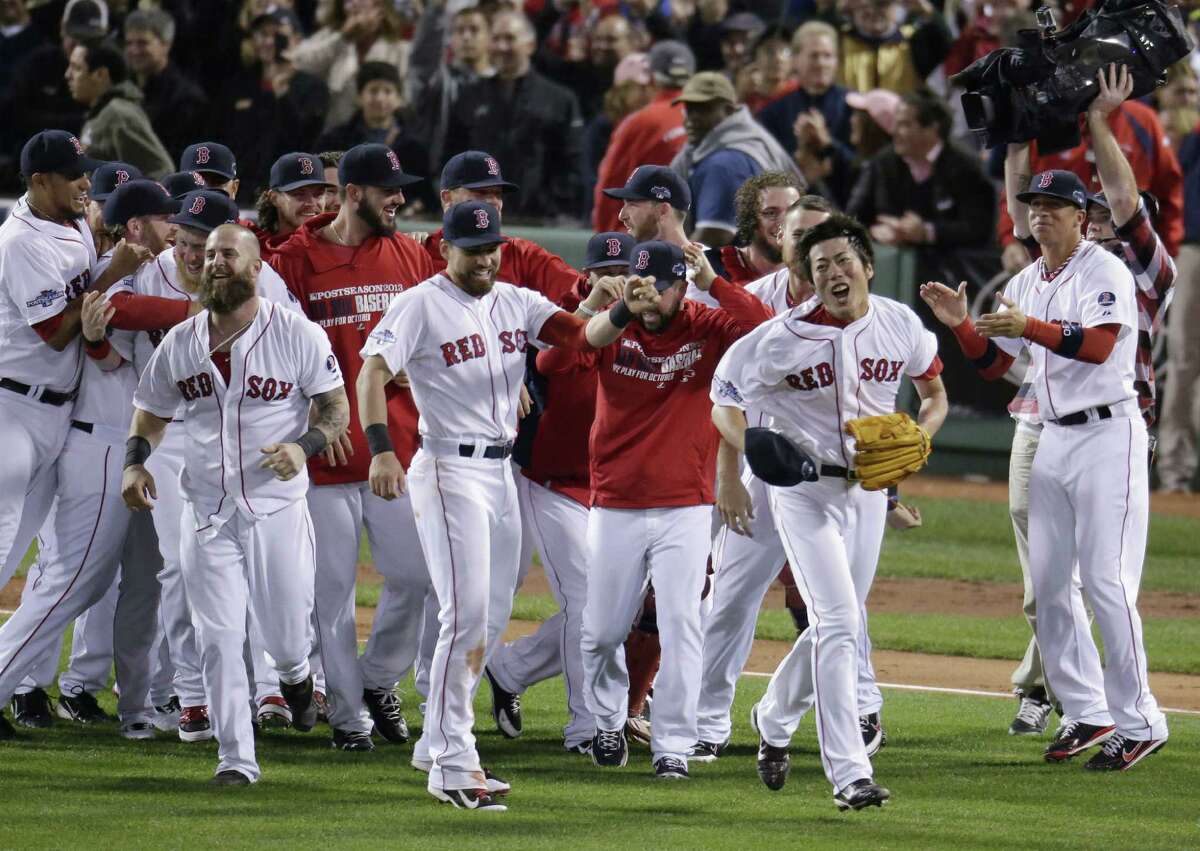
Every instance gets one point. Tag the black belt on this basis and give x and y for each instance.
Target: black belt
(50, 397)
(1103, 412)
(832, 471)
(85, 427)
(495, 450)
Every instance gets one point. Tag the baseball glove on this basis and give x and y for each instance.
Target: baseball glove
(889, 448)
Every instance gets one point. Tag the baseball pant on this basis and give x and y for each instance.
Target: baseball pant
(744, 568)
(1096, 513)
(91, 658)
(339, 514)
(832, 531)
(265, 565)
(627, 548)
(32, 434)
(1180, 421)
(468, 523)
(558, 531)
(85, 537)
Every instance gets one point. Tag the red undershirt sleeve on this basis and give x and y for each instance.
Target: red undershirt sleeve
(983, 354)
(47, 328)
(566, 330)
(746, 310)
(147, 312)
(1072, 340)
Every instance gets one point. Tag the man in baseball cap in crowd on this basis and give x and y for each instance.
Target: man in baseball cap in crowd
(180, 183)
(215, 163)
(107, 177)
(295, 194)
(138, 210)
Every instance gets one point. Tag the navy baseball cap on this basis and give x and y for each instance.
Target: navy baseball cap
(471, 224)
(180, 183)
(661, 259)
(205, 209)
(777, 460)
(1056, 183)
(654, 183)
(473, 170)
(109, 176)
(56, 151)
(139, 197)
(373, 164)
(296, 170)
(610, 248)
(210, 158)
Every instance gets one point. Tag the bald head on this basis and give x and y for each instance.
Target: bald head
(231, 254)
(235, 236)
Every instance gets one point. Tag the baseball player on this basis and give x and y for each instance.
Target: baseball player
(461, 337)
(47, 261)
(180, 183)
(216, 165)
(244, 373)
(757, 250)
(106, 178)
(346, 268)
(295, 194)
(554, 494)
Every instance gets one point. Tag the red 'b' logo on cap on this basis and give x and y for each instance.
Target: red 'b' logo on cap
(613, 247)
(306, 165)
(78, 147)
(394, 160)
(481, 219)
(199, 178)
(493, 167)
(202, 154)
(197, 205)
(122, 176)
(643, 260)
(1045, 180)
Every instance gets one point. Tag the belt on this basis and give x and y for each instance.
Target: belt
(49, 397)
(492, 450)
(443, 447)
(1100, 412)
(832, 471)
(84, 427)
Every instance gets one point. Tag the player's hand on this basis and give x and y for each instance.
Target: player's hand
(1116, 85)
(285, 460)
(904, 517)
(96, 314)
(1015, 257)
(640, 294)
(127, 258)
(948, 306)
(735, 505)
(702, 271)
(1006, 323)
(387, 476)
(418, 236)
(524, 403)
(604, 292)
(400, 379)
(337, 453)
(137, 488)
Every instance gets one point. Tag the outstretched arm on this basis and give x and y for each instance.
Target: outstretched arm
(1116, 175)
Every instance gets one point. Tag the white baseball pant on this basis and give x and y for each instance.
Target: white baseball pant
(628, 549)
(469, 527)
(743, 570)
(268, 566)
(32, 434)
(91, 659)
(832, 531)
(1089, 499)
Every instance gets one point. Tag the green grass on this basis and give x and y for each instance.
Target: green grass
(956, 777)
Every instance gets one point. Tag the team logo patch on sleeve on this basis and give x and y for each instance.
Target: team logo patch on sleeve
(727, 390)
(331, 364)
(1106, 299)
(383, 335)
(45, 298)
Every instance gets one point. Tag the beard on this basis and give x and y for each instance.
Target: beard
(374, 221)
(225, 295)
(768, 249)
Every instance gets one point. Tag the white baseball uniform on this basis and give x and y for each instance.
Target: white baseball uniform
(247, 539)
(465, 359)
(1089, 495)
(812, 378)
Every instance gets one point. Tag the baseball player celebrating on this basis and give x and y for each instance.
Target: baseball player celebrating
(295, 194)
(244, 372)
(462, 338)
(841, 355)
(1076, 310)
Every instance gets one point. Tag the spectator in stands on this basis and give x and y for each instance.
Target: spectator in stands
(117, 127)
(631, 90)
(725, 147)
(986, 32)
(761, 204)
(272, 106)
(878, 52)
(176, 105)
(704, 33)
(589, 76)
(770, 76)
(652, 135)
(353, 32)
(295, 194)
(434, 83)
(527, 122)
(924, 190)
(739, 32)
(17, 37)
(1179, 103)
(649, 22)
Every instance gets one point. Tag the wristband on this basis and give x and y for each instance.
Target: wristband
(378, 439)
(95, 344)
(97, 351)
(586, 311)
(312, 442)
(620, 315)
(137, 450)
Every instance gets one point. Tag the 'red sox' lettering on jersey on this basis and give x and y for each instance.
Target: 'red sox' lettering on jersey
(880, 369)
(195, 386)
(268, 389)
(811, 378)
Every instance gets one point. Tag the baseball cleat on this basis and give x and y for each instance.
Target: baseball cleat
(7, 731)
(773, 765)
(384, 706)
(32, 709)
(609, 749)
(1033, 714)
(706, 751)
(137, 730)
(166, 716)
(583, 748)
(670, 768)
(229, 777)
(81, 708)
(506, 709)
(873, 734)
(1075, 738)
(1122, 754)
(496, 786)
(637, 729)
(194, 725)
(352, 740)
(273, 713)
(861, 793)
(469, 799)
(299, 697)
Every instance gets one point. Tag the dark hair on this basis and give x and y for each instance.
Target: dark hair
(101, 54)
(369, 72)
(836, 226)
(745, 202)
(931, 109)
(814, 203)
(330, 159)
(268, 216)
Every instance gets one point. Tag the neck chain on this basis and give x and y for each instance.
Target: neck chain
(231, 337)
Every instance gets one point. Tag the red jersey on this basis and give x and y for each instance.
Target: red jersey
(652, 135)
(737, 271)
(268, 242)
(346, 290)
(653, 444)
(524, 264)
